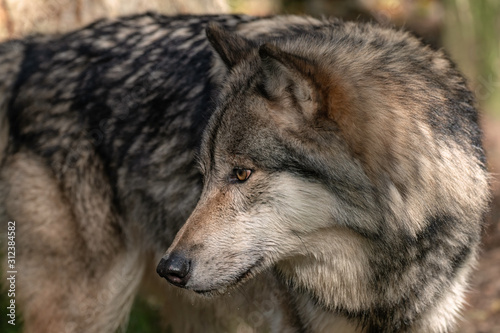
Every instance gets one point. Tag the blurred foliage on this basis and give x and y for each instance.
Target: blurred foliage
(144, 319)
(472, 36)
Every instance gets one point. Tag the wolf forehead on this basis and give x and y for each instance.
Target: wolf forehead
(377, 88)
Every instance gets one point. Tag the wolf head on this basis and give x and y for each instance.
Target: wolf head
(347, 157)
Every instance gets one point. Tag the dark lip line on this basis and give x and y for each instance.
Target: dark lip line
(241, 277)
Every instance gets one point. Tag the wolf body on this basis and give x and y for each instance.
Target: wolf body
(344, 180)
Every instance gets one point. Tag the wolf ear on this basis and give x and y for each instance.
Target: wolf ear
(231, 47)
(293, 78)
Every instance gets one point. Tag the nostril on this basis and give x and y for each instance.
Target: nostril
(175, 269)
(178, 266)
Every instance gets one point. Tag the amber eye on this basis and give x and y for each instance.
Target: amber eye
(241, 175)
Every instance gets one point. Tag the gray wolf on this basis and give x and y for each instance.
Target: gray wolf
(347, 158)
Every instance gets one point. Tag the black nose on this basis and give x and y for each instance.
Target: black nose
(174, 268)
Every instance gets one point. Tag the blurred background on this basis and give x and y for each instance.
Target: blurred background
(468, 29)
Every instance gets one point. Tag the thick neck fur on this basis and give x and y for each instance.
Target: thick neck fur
(330, 277)
(336, 289)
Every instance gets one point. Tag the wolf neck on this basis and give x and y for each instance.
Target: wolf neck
(336, 276)
(335, 289)
(331, 287)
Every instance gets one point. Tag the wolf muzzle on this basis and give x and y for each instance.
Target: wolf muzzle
(175, 268)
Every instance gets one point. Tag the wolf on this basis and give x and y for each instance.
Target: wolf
(347, 159)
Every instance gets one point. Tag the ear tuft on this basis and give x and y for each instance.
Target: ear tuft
(231, 47)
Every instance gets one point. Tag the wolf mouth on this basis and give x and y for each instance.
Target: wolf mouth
(240, 278)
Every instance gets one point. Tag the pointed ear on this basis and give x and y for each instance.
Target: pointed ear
(290, 80)
(231, 47)
(306, 95)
